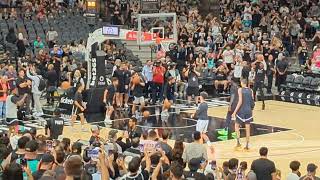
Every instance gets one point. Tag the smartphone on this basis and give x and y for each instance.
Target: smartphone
(49, 145)
(93, 153)
(141, 147)
(158, 147)
(23, 162)
(213, 164)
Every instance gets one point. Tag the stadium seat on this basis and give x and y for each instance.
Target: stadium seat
(297, 83)
(315, 85)
(305, 83)
(289, 81)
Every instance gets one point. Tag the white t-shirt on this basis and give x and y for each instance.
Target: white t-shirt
(228, 56)
(292, 176)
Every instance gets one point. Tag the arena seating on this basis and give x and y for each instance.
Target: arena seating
(302, 89)
(71, 26)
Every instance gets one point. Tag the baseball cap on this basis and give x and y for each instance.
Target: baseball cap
(32, 146)
(311, 167)
(112, 133)
(47, 158)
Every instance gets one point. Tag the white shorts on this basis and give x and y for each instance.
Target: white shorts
(202, 125)
(138, 100)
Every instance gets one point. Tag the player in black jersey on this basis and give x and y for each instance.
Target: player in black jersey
(78, 106)
(54, 126)
(109, 99)
(260, 75)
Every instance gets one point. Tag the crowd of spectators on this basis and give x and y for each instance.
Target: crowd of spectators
(131, 155)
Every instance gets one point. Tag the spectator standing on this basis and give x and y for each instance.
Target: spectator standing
(148, 76)
(13, 101)
(270, 72)
(21, 46)
(281, 69)
(52, 82)
(36, 93)
(311, 169)
(3, 95)
(24, 87)
(294, 174)
(195, 149)
(12, 76)
(158, 81)
(45, 164)
(193, 83)
(31, 155)
(263, 167)
(51, 36)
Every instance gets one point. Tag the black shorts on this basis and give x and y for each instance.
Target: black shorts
(12, 121)
(192, 91)
(76, 111)
(122, 89)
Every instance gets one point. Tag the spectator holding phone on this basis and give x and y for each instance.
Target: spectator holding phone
(45, 164)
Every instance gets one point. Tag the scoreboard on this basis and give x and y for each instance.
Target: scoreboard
(150, 6)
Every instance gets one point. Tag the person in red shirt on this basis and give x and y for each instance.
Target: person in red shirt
(3, 95)
(157, 81)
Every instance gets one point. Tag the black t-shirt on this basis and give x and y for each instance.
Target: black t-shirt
(24, 90)
(137, 91)
(111, 91)
(135, 133)
(120, 74)
(78, 97)
(38, 174)
(260, 75)
(282, 65)
(245, 72)
(56, 126)
(256, 19)
(274, 53)
(270, 65)
(263, 168)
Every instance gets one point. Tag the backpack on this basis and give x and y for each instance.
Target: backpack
(42, 83)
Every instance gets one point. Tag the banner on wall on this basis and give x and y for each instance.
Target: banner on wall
(133, 36)
(98, 71)
(65, 104)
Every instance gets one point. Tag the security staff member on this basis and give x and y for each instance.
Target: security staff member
(281, 69)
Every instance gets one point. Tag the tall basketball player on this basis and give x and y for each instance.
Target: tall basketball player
(243, 111)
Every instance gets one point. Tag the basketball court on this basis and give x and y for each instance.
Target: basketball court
(300, 142)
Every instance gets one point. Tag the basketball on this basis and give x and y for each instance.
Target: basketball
(166, 104)
(146, 113)
(65, 85)
(135, 79)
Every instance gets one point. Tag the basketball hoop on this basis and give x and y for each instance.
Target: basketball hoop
(165, 44)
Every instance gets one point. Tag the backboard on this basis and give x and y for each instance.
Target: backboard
(156, 27)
